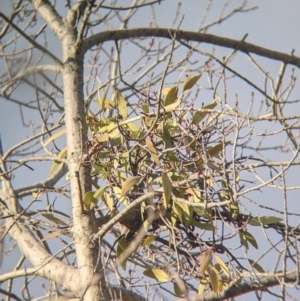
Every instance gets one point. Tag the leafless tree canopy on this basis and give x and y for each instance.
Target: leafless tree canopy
(149, 162)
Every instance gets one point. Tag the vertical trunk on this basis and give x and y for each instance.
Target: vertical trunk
(76, 129)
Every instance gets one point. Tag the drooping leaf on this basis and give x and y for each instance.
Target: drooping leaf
(222, 265)
(157, 274)
(109, 202)
(206, 260)
(121, 104)
(89, 200)
(185, 214)
(179, 291)
(62, 155)
(99, 192)
(167, 187)
(54, 136)
(122, 245)
(129, 183)
(171, 96)
(244, 240)
(251, 239)
(256, 266)
(202, 287)
(153, 151)
(215, 278)
(189, 82)
(167, 137)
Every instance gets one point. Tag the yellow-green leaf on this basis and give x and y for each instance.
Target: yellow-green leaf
(109, 202)
(201, 287)
(200, 114)
(99, 192)
(186, 213)
(62, 155)
(172, 106)
(171, 96)
(105, 103)
(54, 136)
(243, 240)
(215, 150)
(167, 137)
(264, 220)
(179, 291)
(189, 82)
(121, 104)
(214, 278)
(153, 151)
(129, 183)
(222, 265)
(149, 240)
(89, 200)
(167, 187)
(157, 274)
(122, 245)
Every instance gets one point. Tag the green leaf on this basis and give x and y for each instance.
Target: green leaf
(185, 213)
(167, 187)
(62, 155)
(89, 200)
(157, 274)
(243, 240)
(264, 220)
(129, 183)
(189, 82)
(247, 237)
(121, 104)
(202, 225)
(251, 239)
(167, 137)
(153, 151)
(256, 266)
(200, 114)
(56, 135)
(171, 96)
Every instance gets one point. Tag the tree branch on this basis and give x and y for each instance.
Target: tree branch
(235, 290)
(121, 34)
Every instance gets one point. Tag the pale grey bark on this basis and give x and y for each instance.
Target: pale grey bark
(188, 36)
